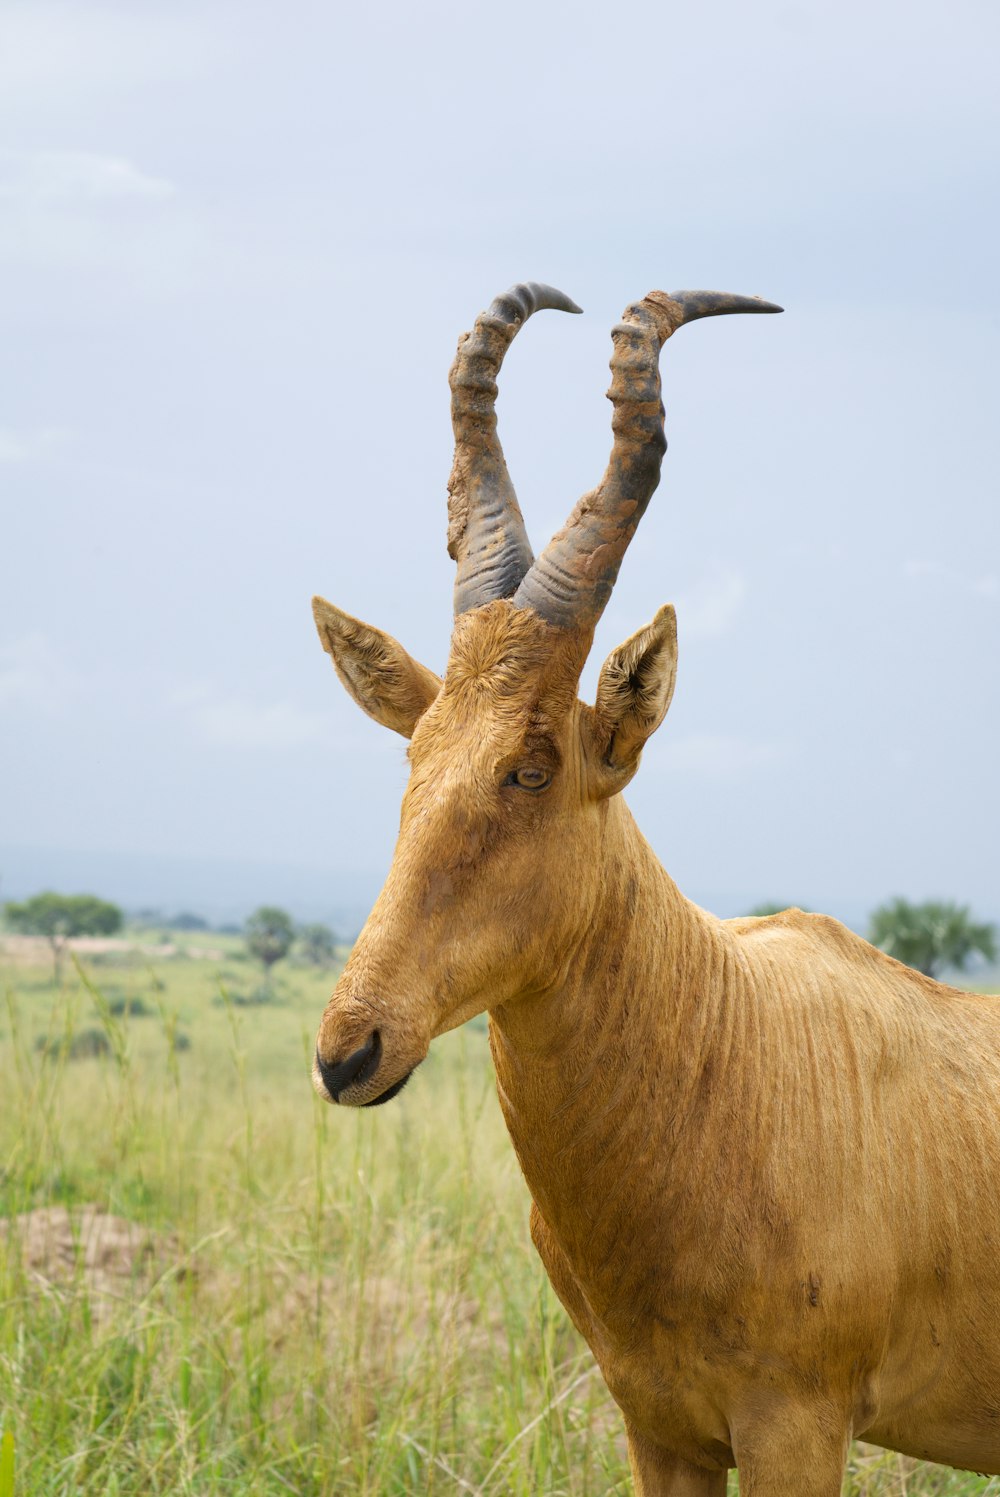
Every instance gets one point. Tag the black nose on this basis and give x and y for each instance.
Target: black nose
(357, 1067)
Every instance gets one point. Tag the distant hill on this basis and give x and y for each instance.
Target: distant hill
(221, 890)
(225, 890)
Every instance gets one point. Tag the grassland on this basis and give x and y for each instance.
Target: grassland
(306, 1301)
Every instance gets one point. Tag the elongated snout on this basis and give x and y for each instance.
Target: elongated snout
(352, 1079)
(358, 1066)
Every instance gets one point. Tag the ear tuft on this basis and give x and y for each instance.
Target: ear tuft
(634, 691)
(383, 679)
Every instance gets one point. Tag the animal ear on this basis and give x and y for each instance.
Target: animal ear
(383, 679)
(633, 694)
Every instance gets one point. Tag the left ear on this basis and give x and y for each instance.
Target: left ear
(383, 679)
(633, 694)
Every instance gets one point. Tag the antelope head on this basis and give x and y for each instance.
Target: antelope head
(508, 820)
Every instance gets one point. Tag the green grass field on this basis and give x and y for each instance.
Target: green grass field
(308, 1301)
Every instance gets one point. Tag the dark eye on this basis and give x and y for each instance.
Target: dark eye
(529, 779)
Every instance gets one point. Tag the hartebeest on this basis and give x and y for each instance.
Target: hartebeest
(764, 1156)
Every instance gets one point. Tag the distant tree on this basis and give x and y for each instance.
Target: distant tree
(57, 917)
(269, 936)
(186, 921)
(317, 943)
(933, 936)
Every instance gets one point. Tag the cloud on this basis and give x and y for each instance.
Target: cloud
(720, 756)
(986, 586)
(253, 725)
(74, 177)
(101, 215)
(55, 55)
(713, 604)
(23, 446)
(232, 722)
(32, 674)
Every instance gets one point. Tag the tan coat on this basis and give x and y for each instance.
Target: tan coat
(764, 1157)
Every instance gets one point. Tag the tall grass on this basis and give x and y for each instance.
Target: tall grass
(331, 1301)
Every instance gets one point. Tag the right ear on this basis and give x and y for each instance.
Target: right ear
(633, 693)
(383, 679)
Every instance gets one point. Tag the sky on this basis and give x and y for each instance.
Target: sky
(237, 245)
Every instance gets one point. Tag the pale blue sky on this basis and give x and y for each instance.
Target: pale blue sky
(238, 243)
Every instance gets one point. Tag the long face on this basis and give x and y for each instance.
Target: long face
(499, 860)
(510, 782)
(471, 913)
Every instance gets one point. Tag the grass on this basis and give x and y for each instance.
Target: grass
(328, 1302)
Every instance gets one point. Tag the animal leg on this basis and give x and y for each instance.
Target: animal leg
(792, 1450)
(658, 1473)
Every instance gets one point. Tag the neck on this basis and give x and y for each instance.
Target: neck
(614, 1064)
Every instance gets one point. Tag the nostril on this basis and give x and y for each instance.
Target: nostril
(359, 1066)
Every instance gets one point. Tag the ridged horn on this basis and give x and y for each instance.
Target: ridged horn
(486, 533)
(571, 582)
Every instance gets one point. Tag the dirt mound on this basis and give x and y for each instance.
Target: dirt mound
(110, 1258)
(384, 1311)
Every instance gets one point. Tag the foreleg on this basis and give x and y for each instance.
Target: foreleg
(658, 1473)
(791, 1450)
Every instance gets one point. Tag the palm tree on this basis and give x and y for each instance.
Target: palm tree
(931, 936)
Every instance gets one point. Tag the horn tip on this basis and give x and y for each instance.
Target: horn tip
(697, 304)
(544, 298)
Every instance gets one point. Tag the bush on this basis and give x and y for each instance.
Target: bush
(86, 1044)
(254, 999)
(130, 1008)
(317, 944)
(187, 921)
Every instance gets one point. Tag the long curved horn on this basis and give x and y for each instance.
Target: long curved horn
(571, 582)
(486, 533)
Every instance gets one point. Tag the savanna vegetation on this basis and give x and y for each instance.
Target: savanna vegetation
(57, 917)
(212, 1283)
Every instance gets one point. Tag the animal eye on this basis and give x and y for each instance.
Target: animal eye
(529, 779)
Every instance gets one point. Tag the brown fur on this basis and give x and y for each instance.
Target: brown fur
(764, 1157)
